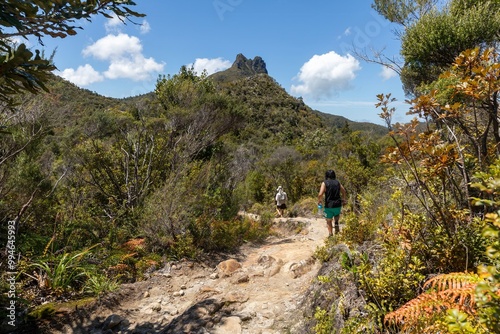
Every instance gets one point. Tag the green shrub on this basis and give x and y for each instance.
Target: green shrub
(62, 274)
(214, 235)
(306, 207)
(324, 324)
(184, 247)
(98, 284)
(325, 252)
(394, 279)
(357, 230)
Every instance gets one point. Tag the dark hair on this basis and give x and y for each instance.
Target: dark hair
(330, 174)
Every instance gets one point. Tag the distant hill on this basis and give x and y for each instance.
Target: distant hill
(271, 113)
(237, 78)
(340, 121)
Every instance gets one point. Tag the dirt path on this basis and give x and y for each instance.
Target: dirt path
(256, 292)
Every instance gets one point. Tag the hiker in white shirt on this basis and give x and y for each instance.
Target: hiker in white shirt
(281, 199)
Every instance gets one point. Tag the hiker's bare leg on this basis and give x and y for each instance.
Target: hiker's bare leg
(329, 226)
(337, 227)
(280, 212)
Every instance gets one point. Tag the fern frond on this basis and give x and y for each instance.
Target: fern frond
(423, 305)
(451, 281)
(445, 291)
(462, 298)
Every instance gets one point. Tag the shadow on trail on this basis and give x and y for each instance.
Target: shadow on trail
(204, 314)
(196, 317)
(280, 242)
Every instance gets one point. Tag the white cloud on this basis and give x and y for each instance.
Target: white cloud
(145, 27)
(114, 24)
(386, 73)
(136, 68)
(324, 75)
(347, 32)
(211, 65)
(124, 53)
(82, 76)
(114, 46)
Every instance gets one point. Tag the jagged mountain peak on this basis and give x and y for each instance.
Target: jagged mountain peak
(251, 66)
(241, 68)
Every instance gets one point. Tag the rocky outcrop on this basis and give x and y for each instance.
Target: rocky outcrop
(241, 68)
(249, 66)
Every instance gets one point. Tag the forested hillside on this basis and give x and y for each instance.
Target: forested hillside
(83, 176)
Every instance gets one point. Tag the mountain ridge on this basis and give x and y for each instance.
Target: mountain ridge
(248, 80)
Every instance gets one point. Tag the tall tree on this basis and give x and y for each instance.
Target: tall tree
(404, 12)
(433, 33)
(431, 44)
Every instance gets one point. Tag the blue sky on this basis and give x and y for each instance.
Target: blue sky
(307, 48)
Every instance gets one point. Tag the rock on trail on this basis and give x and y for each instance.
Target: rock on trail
(256, 291)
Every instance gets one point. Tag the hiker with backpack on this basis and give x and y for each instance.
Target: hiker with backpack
(335, 196)
(281, 199)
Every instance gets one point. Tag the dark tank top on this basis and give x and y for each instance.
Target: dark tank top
(332, 194)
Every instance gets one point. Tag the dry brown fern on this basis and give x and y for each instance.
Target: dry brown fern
(428, 303)
(461, 298)
(451, 281)
(443, 292)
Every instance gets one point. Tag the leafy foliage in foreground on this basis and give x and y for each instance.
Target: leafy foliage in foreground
(432, 155)
(437, 216)
(461, 302)
(433, 33)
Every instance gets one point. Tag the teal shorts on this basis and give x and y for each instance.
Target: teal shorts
(329, 213)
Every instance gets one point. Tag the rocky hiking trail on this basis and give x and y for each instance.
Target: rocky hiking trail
(255, 291)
